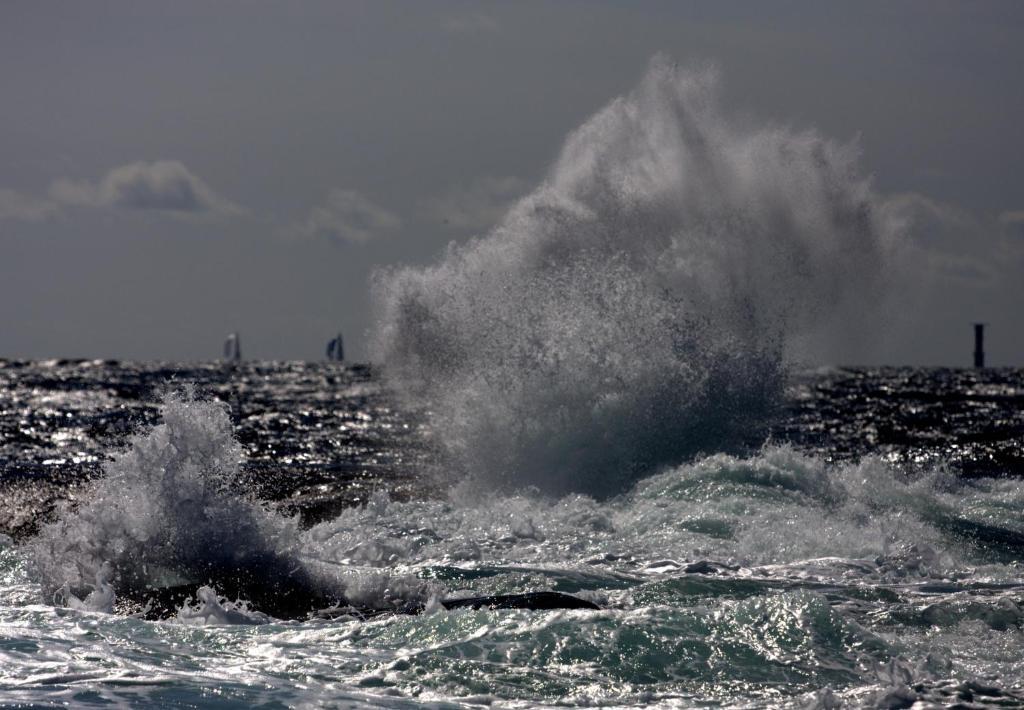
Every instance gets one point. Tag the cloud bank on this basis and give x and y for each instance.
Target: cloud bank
(163, 185)
(347, 217)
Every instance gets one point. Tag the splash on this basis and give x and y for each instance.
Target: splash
(638, 307)
(213, 609)
(165, 514)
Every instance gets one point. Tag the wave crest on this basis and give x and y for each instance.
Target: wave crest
(165, 513)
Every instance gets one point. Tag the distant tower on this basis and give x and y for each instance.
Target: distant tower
(979, 345)
(233, 348)
(336, 349)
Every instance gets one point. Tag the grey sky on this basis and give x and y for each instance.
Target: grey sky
(170, 172)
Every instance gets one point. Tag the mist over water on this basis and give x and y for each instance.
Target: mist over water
(640, 305)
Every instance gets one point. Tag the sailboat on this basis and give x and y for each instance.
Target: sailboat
(233, 348)
(336, 349)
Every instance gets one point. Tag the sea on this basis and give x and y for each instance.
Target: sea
(590, 465)
(863, 550)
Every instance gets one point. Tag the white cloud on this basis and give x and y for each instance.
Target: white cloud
(477, 206)
(953, 244)
(347, 216)
(164, 185)
(19, 206)
(470, 23)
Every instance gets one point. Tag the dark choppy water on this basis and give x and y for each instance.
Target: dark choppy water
(316, 436)
(869, 554)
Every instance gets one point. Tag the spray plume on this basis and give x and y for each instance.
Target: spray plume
(636, 308)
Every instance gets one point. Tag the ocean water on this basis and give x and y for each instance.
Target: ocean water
(867, 555)
(596, 398)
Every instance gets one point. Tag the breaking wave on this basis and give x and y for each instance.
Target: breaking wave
(169, 514)
(748, 579)
(165, 513)
(638, 307)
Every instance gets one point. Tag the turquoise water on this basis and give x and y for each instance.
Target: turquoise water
(769, 580)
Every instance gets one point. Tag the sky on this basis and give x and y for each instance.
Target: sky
(173, 172)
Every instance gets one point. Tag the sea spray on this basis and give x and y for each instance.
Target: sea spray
(167, 531)
(637, 307)
(165, 513)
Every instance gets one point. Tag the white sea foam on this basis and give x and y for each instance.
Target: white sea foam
(168, 512)
(165, 512)
(779, 511)
(634, 309)
(209, 608)
(100, 598)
